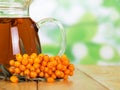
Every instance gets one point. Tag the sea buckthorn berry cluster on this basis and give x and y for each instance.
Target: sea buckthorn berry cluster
(44, 66)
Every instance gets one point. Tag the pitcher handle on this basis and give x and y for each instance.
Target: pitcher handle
(61, 28)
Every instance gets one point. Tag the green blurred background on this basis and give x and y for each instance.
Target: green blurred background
(92, 29)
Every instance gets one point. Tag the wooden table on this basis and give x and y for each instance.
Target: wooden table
(86, 77)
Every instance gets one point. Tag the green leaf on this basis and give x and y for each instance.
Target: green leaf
(112, 3)
(50, 49)
(93, 50)
(65, 3)
(69, 54)
(115, 58)
(117, 23)
(84, 30)
(5, 71)
(88, 60)
(93, 53)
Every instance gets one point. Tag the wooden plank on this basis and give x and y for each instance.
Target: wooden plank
(109, 76)
(5, 85)
(79, 81)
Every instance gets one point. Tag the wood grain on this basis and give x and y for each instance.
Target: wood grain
(108, 76)
(79, 81)
(5, 85)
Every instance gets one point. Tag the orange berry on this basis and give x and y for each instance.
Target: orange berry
(30, 61)
(18, 56)
(37, 70)
(36, 60)
(26, 72)
(33, 74)
(71, 67)
(25, 56)
(17, 71)
(49, 71)
(67, 71)
(62, 75)
(22, 73)
(46, 75)
(65, 77)
(22, 67)
(53, 76)
(65, 62)
(12, 69)
(33, 55)
(50, 80)
(41, 55)
(42, 68)
(12, 62)
(41, 74)
(57, 73)
(32, 68)
(46, 69)
(58, 59)
(64, 67)
(14, 79)
(36, 65)
(59, 66)
(24, 61)
(52, 59)
(50, 65)
(44, 63)
(54, 62)
(71, 73)
(53, 68)
(28, 66)
(40, 58)
(17, 64)
(46, 58)
(63, 57)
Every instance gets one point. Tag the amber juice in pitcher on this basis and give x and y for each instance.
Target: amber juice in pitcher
(17, 35)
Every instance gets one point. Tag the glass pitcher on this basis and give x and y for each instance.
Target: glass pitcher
(18, 32)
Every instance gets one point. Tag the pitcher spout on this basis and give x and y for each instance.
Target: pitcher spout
(14, 8)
